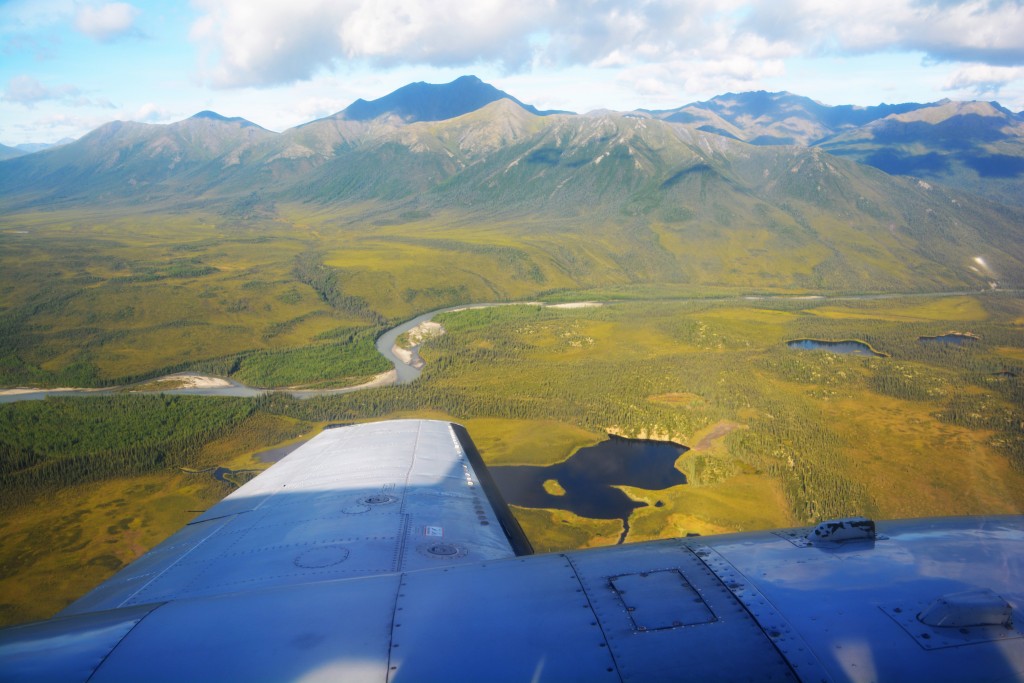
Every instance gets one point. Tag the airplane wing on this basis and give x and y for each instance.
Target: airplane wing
(381, 552)
(356, 501)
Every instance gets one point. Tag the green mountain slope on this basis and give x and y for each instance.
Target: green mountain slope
(133, 161)
(667, 203)
(586, 200)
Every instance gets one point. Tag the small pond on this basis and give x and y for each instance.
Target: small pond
(589, 477)
(955, 338)
(850, 346)
(224, 474)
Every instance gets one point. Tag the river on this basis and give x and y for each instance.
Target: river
(404, 372)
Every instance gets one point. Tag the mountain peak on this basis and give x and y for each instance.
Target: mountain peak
(207, 115)
(432, 102)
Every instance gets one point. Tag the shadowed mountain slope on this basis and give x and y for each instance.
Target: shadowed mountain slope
(9, 152)
(976, 146)
(776, 118)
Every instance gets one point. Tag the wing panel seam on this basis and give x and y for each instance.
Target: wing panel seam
(783, 636)
(597, 618)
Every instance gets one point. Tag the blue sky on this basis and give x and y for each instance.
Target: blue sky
(68, 66)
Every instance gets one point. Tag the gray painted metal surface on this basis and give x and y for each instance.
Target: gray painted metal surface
(353, 501)
(327, 569)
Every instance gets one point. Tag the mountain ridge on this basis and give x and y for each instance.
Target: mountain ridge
(428, 102)
(503, 158)
(766, 116)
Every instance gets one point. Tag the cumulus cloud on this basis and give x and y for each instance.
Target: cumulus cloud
(248, 42)
(318, 107)
(665, 80)
(151, 113)
(983, 79)
(59, 126)
(986, 31)
(27, 91)
(107, 22)
(269, 42)
(252, 43)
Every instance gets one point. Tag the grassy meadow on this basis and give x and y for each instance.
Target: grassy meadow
(777, 436)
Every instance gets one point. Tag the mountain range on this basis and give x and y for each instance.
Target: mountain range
(975, 146)
(869, 186)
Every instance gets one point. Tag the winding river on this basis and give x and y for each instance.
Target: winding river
(404, 372)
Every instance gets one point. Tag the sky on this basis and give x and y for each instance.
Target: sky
(68, 66)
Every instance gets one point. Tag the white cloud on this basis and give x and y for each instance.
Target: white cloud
(318, 107)
(28, 91)
(107, 22)
(268, 42)
(986, 31)
(151, 113)
(983, 79)
(56, 126)
(248, 42)
(26, 15)
(666, 82)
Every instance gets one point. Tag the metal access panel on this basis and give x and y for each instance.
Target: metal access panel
(716, 639)
(524, 619)
(664, 599)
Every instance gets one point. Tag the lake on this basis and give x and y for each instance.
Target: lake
(590, 475)
(850, 346)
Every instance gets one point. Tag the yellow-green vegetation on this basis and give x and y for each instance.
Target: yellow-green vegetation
(527, 442)
(644, 366)
(915, 464)
(744, 502)
(295, 298)
(960, 308)
(683, 399)
(1013, 353)
(58, 541)
(778, 436)
(553, 487)
(98, 300)
(259, 432)
(555, 530)
(58, 546)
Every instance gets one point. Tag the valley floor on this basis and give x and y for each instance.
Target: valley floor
(777, 436)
